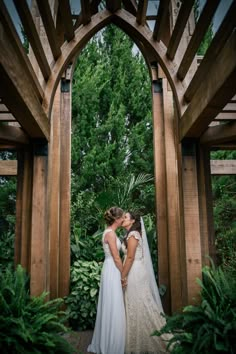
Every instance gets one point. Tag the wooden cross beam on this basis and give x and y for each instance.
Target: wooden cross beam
(8, 167)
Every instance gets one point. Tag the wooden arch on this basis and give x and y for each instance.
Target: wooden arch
(36, 111)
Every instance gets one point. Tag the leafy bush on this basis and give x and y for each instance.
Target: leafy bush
(29, 324)
(82, 301)
(6, 250)
(209, 327)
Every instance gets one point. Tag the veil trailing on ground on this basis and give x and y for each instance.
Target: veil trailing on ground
(149, 267)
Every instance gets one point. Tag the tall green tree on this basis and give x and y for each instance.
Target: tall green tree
(112, 123)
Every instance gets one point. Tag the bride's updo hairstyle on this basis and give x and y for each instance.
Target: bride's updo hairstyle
(112, 214)
(137, 223)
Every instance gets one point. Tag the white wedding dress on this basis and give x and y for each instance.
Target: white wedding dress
(143, 310)
(109, 331)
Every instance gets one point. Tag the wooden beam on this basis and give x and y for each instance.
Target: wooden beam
(195, 41)
(180, 25)
(223, 167)
(9, 134)
(8, 167)
(64, 8)
(218, 87)
(141, 13)
(46, 15)
(216, 45)
(85, 11)
(162, 13)
(9, 37)
(219, 134)
(33, 37)
(18, 89)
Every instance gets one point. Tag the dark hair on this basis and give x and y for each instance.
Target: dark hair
(112, 214)
(137, 223)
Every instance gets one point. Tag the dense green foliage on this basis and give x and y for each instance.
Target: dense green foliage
(82, 301)
(211, 326)
(29, 324)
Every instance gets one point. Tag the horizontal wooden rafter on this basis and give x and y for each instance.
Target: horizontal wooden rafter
(8, 167)
(10, 134)
(33, 37)
(225, 116)
(195, 41)
(219, 134)
(213, 93)
(180, 25)
(64, 8)
(49, 27)
(216, 45)
(223, 167)
(19, 51)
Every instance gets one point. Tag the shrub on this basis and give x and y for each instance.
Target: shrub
(209, 327)
(29, 324)
(82, 301)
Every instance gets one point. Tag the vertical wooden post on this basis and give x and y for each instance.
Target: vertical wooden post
(191, 219)
(175, 243)
(160, 185)
(24, 208)
(54, 194)
(39, 239)
(206, 205)
(65, 183)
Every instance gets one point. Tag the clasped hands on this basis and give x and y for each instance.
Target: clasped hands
(124, 282)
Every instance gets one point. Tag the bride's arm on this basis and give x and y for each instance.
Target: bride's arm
(111, 240)
(131, 249)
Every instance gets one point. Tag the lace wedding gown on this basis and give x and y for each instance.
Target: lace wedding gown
(109, 331)
(142, 312)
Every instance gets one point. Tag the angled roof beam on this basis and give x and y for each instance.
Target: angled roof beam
(19, 51)
(195, 41)
(10, 134)
(217, 43)
(219, 134)
(141, 13)
(85, 11)
(218, 87)
(161, 19)
(93, 10)
(64, 8)
(46, 15)
(32, 34)
(180, 25)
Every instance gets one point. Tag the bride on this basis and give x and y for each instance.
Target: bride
(142, 301)
(109, 332)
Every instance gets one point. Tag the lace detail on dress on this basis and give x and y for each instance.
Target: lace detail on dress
(105, 245)
(135, 234)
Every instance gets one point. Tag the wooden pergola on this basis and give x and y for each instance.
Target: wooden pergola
(194, 111)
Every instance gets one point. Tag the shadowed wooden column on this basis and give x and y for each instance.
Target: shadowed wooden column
(24, 208)
(39, 235)
(206, 205)
(54, 194)
(176, 245)
(65, 183)
(160, 185)
(191, 218)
